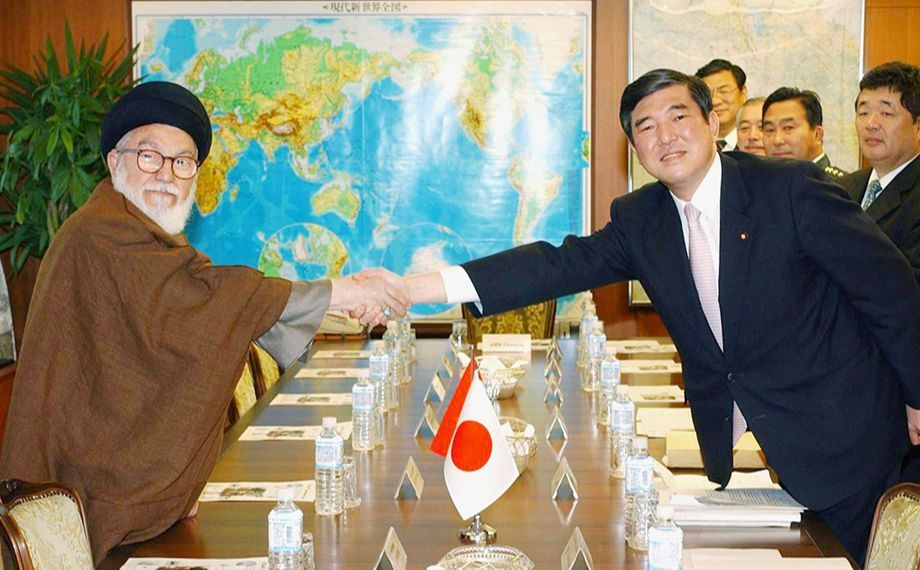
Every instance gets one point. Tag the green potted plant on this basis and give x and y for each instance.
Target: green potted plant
(52, 161)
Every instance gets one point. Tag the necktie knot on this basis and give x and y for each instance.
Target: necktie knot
(691, 212)
(721, 144)
(875, 188)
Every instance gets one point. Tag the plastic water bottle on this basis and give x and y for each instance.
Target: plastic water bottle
(362, 421)
(330, 448)
(378, 379)
(597, 341)
(639, 471)
(622, 413)
(644, 504)
(665, 542)
(584, 331)
(285, 529)
(610, 379)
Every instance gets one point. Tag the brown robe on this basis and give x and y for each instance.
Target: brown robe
(131, 352)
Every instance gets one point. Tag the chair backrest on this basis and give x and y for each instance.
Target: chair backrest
(264, 368)
(537, 320)
(894, 543)
(44, 526)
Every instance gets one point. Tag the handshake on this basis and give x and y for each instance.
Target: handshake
(373, 296)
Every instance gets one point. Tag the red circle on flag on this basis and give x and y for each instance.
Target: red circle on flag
(472, 446)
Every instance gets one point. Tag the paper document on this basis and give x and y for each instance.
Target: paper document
(712, 558)
(660, 349)
(657, 422)
(291, 433)
(650, 367)
(773, 497)
(347, 354)
(631, 343)
(327, 373)
(257, 491)
(312, 400)
(692, 484)
(196, 563)
(651, 395)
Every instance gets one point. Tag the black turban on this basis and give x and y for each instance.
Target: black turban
(158, 102)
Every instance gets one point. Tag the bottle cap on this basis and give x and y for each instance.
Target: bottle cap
(640, 443)
(665, 512)
(329, 422)
(285, 494)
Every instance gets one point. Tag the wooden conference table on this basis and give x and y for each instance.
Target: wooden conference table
(526, 517)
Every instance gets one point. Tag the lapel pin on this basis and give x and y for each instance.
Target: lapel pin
(743, 235)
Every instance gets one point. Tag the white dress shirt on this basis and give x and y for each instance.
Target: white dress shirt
(706, 199)
(731, 141)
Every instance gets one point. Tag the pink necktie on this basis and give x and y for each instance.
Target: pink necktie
(704, 277)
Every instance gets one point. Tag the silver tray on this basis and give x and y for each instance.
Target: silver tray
(485, 558)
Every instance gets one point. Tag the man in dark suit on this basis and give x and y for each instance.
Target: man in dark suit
(888, 127)
(793, 127)
(765, 275)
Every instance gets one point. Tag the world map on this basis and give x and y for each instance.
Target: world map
(350, 135)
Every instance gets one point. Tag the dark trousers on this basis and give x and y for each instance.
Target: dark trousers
(851, 519)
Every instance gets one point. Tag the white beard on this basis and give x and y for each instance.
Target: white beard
(171, 218)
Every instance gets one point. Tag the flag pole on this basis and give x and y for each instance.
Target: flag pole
(477, 533)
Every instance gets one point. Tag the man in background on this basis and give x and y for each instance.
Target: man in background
(793, 127)
(766, 276)
(750, 127)
(888, 128)
(726, 82)
(135, 341)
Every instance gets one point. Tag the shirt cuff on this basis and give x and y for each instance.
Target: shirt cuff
(458, 286)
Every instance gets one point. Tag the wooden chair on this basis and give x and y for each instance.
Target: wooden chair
(264, 368)
(537, 320)
(44, 526)
(894, 543)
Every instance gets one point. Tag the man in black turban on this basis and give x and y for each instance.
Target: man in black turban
(135, 341)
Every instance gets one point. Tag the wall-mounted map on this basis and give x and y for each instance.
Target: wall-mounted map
(405, 134)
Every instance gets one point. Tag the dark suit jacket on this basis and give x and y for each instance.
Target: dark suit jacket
(896, 210)
(820, 354)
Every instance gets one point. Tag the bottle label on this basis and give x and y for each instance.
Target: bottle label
(622, 416)
(638, 475)
(363, 398)
(610, 373)
(285, 536)
(663, 554)
(378, 366)
(329, 453)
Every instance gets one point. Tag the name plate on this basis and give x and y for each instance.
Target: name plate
(411, 484)
(505, 343)
(323, 373)
(428, 425)
(556, 428)
(564, 485)
(576, 555)
(393, 556)
(552, 394)
(436, 390)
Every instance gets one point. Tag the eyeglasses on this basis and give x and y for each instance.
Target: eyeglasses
(723, 92)
(151, 161)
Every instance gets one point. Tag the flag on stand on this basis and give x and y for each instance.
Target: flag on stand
(478, 466)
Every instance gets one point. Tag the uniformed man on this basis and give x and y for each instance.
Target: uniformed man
(793, 127)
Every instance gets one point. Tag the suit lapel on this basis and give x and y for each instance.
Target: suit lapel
(890, 199)
(667, 257)
(735, 234)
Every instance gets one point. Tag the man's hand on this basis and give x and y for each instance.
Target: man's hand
(913, 425)
(373, 296)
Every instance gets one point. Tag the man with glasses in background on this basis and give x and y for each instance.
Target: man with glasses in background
(135, 341)
(726, 82)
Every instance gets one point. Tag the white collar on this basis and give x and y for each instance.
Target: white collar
(886, 180)
(731, 139)
(707, 194)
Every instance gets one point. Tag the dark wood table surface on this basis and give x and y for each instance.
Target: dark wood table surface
(526, 517)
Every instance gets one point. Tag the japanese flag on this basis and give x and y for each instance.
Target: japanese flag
(478, 466)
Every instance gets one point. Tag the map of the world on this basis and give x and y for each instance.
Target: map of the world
(408, 135)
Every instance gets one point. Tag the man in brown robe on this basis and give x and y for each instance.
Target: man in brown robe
(135, 341)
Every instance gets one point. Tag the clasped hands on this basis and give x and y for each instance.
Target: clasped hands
(373, 296)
